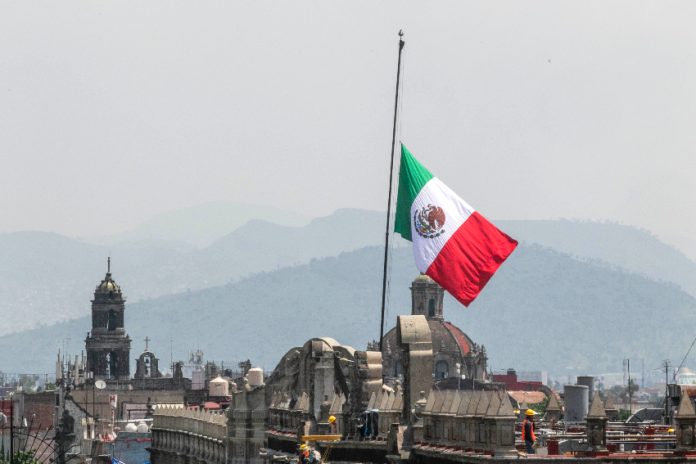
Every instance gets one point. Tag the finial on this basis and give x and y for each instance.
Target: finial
(401, 32)
(108, 265)
(147, 340)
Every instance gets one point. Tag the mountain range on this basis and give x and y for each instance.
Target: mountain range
(49, 278)
(542, 310)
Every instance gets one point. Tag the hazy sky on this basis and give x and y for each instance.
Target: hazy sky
(111, 112)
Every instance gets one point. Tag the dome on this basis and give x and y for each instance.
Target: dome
(423, 278)
(108, 285)
(451, 347)
(142, 427)
(446, 337)
(454, 353)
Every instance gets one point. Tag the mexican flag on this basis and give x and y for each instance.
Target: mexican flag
(452, 243)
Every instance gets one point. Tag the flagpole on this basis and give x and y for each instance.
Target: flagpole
(389, 198)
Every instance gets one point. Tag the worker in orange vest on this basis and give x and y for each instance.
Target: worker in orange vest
(528, 431)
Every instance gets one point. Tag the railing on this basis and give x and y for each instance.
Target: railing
(209, 424)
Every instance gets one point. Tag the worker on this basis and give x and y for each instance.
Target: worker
(304, 454)
(528, 431)
(332, 424)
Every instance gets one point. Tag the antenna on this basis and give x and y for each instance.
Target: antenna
(108, 265)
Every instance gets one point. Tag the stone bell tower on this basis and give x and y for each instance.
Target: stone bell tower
(426, 298)
(108, 345)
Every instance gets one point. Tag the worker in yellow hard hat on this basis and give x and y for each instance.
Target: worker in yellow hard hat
(303, 454)
(332, 424)
(528, 431)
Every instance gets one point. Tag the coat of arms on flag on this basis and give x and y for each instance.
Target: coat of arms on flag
(452, 242)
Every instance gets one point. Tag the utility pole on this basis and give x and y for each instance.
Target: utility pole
(665, 364)
(642, 374)
(630, 388)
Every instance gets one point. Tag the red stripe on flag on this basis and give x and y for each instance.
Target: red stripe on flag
(470, 258)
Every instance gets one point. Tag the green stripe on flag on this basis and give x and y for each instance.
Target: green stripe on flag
(412, 177)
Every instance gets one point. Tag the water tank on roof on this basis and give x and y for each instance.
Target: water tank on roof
(577, 402)
(218, 387)
(142, 427)
(255, 376)
(131, 427)
(588, 381)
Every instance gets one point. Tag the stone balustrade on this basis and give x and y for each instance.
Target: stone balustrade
(388, 405)
(468, 421)
(184, 436)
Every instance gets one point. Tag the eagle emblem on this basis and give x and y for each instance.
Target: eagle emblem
(429, 221)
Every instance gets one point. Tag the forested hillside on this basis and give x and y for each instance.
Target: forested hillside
(571, 316)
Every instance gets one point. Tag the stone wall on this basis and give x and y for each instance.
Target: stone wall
(246, 425)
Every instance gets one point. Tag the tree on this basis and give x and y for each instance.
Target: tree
(20, 457)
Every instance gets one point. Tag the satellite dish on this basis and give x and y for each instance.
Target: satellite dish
(100, 384)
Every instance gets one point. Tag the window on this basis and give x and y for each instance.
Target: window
(111, 323)
(431, 307)
(441, 370)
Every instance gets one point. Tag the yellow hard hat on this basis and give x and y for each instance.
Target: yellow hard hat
(332, 419)
(303, 446)
(529, 412)
(517, 411)
(670, 430)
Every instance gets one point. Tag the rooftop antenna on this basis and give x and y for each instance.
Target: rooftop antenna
(108, 265)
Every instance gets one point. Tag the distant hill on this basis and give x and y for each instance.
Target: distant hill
(261, 245)
(543, 310)
(48, 278)
(630, 248)
(202, 224)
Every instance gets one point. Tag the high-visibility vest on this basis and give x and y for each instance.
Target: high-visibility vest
(531, 437)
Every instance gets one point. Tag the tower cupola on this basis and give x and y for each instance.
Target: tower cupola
(426, 298)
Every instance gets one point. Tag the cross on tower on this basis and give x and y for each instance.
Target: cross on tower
(147, 340)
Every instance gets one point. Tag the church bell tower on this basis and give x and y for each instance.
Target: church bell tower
(426, 298)
(108, 345)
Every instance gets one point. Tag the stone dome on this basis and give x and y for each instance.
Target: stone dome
(423, 278)
(454, 353)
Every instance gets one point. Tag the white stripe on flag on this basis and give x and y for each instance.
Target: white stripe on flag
(456, 210)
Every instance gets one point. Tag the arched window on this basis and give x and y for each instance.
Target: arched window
(441, 370)
(111, 324)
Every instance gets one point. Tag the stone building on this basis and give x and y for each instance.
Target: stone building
(108, 345)
(451, 346)
(376, 424)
